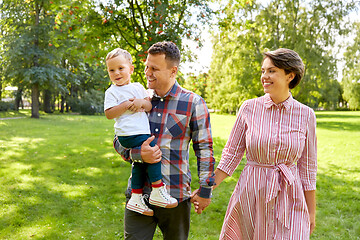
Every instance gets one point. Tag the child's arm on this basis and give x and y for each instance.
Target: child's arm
(140, 104)
(147, 104)
(118, 110)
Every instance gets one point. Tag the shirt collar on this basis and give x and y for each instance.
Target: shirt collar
(174, 91)
(287, 103)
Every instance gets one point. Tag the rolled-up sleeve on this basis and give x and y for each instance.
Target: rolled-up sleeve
(236, 144)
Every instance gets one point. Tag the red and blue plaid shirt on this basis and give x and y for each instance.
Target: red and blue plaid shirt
(176, 119)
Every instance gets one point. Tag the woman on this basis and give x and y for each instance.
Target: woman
(275, 195)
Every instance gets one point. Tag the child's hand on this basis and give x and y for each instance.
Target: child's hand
(136, 105)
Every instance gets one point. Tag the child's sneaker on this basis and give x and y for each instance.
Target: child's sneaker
(161, 198)
(137, 204)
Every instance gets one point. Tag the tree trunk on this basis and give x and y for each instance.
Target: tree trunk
(18, 98)
(35, 89)
(0, 87)
(35, 104)
(62, 104)
(47, 101)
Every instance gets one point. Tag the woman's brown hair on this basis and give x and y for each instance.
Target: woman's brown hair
(288, 60)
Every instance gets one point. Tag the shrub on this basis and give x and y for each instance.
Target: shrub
(91, 103)
(6, 106)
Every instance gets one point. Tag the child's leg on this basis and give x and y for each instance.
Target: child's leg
(159, 195)
(138, 174)
(136, 202)
(154, 172)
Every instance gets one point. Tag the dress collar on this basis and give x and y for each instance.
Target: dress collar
(287, 103)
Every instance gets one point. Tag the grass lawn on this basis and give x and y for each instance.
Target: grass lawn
(61, 179)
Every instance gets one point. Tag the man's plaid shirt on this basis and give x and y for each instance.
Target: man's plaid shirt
(176, 119)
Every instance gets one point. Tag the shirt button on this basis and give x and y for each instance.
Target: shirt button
(156, 129)
(159, 114)
(161, 99)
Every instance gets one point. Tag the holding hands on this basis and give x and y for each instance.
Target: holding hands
(199, 203)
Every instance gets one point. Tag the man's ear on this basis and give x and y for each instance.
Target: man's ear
(174, 71)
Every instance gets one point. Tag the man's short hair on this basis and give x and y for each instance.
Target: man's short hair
(171, 51)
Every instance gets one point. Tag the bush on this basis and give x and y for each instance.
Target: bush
(6, 106)
(91, 103)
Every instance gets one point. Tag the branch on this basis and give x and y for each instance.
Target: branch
(181, 15)
(122, 35)
(141, 15)
(135, 24)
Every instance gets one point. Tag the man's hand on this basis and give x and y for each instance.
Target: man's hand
(199, 203)
(150, 154)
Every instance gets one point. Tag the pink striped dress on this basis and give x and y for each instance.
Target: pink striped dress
(280, 142)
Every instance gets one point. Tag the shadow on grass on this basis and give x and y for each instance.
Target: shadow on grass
(60, 181)
(346, 126)
(338, 204)
(320, 115)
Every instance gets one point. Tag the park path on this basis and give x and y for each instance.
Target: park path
(11, 118)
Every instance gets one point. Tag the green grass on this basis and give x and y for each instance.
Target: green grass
(61, 179)
(12, 114)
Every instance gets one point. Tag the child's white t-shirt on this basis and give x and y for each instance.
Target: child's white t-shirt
(129, 123)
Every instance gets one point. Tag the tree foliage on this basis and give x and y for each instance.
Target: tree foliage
(247, 29)
(351, 73)
(56, 49)
(135, 25)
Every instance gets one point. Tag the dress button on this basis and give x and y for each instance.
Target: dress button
(156, 129)
(159, 114)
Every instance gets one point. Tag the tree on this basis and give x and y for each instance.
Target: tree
(29, 62)
(44, 49)
(56, 49)
(79, 42)
(247, 29)
(135, 25)
(351, 72)
(197, 84)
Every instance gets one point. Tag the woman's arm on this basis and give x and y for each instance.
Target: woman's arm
(311, 204)
(219, 177)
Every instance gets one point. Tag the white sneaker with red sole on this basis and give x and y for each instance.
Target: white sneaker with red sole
(137, 204)
(161, 198)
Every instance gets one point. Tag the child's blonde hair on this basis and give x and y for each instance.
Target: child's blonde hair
(118, 51)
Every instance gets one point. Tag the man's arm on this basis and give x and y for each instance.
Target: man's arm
(145, 153)
(203, 147)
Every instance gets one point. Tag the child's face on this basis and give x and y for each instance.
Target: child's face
(119, 70)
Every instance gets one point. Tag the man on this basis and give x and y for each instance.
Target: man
(178, 116)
